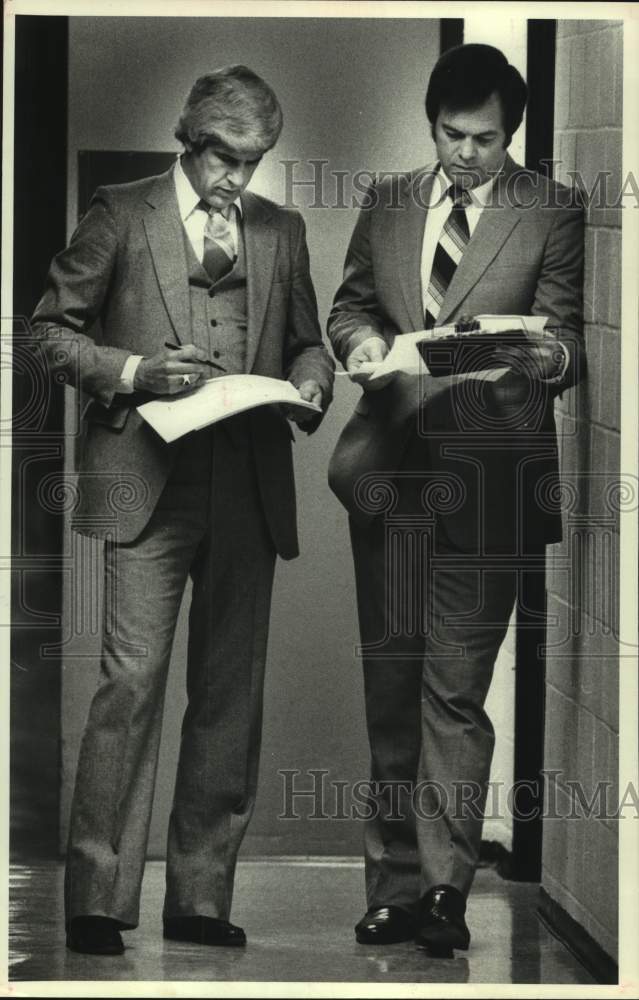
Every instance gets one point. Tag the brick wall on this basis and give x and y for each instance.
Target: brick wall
(580, 854)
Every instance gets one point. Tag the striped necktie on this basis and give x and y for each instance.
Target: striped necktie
(219, 244)
(452, 243)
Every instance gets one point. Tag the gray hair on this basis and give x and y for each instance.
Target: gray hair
(234, 105)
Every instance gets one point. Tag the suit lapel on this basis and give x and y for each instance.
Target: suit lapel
(410, 220)
(165, 236)
(496, 222)
(260, 245)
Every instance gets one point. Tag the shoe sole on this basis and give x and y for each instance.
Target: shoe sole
(442, 949)
(193, 940)
(111, 953)
(362, 938)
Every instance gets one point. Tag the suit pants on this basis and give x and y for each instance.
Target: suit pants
(208, 523)
(432, 619)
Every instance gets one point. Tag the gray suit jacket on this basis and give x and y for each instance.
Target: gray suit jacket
(525, 257)
(126, 267)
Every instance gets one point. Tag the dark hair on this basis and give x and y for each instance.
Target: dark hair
(464, 78)
(233, 104)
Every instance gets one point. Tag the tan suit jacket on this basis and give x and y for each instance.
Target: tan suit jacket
(126, 267)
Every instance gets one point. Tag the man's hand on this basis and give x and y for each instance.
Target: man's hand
(311, 393)
(165, 373)
(539, 359)
(370, 352)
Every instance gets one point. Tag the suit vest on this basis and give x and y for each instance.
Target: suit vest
(219, 310)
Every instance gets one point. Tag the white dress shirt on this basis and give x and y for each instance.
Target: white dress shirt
(193, 218)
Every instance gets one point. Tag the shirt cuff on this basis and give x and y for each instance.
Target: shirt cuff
(127, 375)
(559, 376)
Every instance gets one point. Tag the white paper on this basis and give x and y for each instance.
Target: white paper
(402, 357)
(216, 399)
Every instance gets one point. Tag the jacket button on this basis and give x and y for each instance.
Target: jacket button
(216, 354)
(213, 322)
(211, 291)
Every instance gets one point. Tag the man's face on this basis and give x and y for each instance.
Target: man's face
(471, 145)
(219, 173)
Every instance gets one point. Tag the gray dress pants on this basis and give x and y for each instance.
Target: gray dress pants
(432, 619)
(208, 523)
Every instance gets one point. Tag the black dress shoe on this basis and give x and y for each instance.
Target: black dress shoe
(385, 925)
(441, 924)
(204, 930)
(94, 936)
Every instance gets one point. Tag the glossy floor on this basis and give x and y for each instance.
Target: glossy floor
(299, 918)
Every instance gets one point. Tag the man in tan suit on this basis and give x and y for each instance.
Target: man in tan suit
(450, 484)
(190, 260)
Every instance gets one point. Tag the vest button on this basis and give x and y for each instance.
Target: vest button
(216, 354)
(213, 322)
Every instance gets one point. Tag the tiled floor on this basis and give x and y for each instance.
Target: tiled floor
(299, 918)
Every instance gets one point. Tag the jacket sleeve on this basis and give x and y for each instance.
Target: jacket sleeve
(74, 296)
(305, 356)
(356, 314)
(559, 291)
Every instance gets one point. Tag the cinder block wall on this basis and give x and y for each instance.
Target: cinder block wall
(580, 852)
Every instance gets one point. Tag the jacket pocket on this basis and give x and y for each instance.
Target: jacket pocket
(114, 417)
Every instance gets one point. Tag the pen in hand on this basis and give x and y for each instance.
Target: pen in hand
(211, 364)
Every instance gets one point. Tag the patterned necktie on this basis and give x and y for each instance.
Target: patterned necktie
(452, 243)
(219, 245)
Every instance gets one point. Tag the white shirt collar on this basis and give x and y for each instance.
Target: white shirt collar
(187, 197)
(479, 195)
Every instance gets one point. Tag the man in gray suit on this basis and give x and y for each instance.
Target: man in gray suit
(450, 483)
(189, 276)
